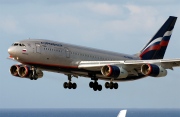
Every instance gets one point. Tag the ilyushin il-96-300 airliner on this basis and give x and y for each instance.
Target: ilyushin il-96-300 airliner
(38, 55)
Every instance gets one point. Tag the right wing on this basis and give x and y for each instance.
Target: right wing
(132, 67)
(165, 63)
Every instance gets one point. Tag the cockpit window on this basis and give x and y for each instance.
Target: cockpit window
(18, 44)
(15, 44)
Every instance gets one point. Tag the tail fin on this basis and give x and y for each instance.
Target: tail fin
(156, 47)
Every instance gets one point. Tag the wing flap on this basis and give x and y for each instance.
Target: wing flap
(96, 65)
(165, 63)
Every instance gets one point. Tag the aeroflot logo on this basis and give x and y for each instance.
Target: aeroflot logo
(48, 43)
(24, 50)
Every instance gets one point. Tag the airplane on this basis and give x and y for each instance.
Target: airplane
(38, 55)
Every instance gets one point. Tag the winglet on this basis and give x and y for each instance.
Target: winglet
(122, 113)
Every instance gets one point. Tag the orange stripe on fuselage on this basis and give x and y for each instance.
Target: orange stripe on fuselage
(50, 65)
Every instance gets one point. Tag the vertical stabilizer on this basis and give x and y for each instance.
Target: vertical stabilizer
(122, 113)
(156, 47)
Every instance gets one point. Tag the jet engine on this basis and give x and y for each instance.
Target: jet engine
(114, 71)
(153, 70)
(14, 70)
(26, 71)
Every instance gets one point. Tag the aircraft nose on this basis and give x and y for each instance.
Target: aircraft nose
(11, 51)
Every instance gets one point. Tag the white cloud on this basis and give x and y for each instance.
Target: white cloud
(104, 8)
(52, 19)
(144, 18)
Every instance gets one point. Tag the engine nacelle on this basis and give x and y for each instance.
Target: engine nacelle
(14, 70)
(114, 71)
(26, 72)
(153, 70)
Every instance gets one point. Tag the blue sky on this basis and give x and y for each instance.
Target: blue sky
(120, 26)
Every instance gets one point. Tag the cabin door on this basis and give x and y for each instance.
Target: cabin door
(38, 48)
(67, 53)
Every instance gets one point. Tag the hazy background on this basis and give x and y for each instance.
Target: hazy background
(118, 25)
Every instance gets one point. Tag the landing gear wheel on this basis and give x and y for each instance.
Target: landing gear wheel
(115, 85)
(74, 85)
(99, 87)
(95, 88)
(65, 85)
(91, 84)
(95, 84)
(111, 85)
(69, 85)
(35, 77)
(107, 85)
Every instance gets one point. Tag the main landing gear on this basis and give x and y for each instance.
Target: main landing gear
(70, 85)
(95, 86)
(111, 85)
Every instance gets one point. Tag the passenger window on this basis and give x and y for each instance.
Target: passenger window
(22, 45)
(29, 44)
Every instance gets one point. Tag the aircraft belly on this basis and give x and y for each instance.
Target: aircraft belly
(85, 73)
